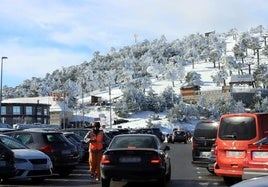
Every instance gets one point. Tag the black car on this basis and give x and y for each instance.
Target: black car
(179, 136)
(7, 163)
(135, 157)
(154, 130)
(78, 141)
(204, 137)
(61, 151)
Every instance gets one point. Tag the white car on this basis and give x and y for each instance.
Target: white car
(253, 182)
(29, 163)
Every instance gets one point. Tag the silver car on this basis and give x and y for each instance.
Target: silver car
(29, 163)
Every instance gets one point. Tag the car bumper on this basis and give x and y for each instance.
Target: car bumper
(249, 173)
(31, 171)
(63, 162)
(203, 163)
(236, 172)
(128, 173)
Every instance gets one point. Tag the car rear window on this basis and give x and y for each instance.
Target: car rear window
(206, 130)
(237, 128)
(55, 138)
(133, 142)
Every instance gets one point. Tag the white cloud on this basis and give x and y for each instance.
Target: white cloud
(47, 35)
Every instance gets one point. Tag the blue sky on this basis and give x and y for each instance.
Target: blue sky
(40, 36)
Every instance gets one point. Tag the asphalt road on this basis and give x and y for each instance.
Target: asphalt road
(183, 174)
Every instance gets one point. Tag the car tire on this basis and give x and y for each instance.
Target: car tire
(168, 176)
(105, 182)
(65, 172)
(211, 171)
(161, 181)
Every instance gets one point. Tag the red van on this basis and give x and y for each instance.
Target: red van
(235, 133)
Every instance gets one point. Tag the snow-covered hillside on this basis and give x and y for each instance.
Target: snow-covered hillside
(141, 119)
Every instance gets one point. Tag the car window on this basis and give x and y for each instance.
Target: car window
(55, 138)
(206, 130)
(11, 143)
(238, 128)
(24, 138)
(133, 142)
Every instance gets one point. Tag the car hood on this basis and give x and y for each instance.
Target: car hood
(29, 153)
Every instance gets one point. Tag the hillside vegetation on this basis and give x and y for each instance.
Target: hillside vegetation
(132, 68)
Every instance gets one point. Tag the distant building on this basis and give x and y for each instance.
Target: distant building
(41, 110)
(31, 110)
(23, 111)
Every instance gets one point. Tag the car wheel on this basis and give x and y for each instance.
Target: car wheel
(162, 181)
(211, 171)
(105, 182)
(168, 176)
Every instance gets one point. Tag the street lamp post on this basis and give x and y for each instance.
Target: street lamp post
(2, 59)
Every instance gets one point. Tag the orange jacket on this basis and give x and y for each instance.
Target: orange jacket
(96, 141)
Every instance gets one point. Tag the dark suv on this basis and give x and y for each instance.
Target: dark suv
(61, 151)
(204, 137)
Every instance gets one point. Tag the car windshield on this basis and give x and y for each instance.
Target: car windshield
(206, 130)
(12, 143)
(238, 128)
(133, 142)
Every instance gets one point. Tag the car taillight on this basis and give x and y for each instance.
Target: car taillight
(105, 159)
(47, 149)
(155, 159)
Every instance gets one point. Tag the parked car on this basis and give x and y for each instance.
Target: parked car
(253, 182)
(62, 152)
(78, 141)
(236, 131)
(29, 163)
(255, 163)
(136, 157)
(204, 137)
(7, 162)
(82, 133)
(179, 136)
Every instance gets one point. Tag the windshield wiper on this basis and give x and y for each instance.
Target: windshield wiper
(230, 136)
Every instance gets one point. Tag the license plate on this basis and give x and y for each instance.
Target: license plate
(129, 159)
(260, 154)
(205, 154)
(3, 163)
(235, 154)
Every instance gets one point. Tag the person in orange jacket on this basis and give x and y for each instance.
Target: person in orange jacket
(97, 141)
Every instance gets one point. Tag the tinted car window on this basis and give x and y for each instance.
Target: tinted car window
(238, 128)
(11, 143)
(206, 130)
(133, 142)
(55, 138)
